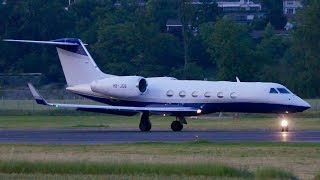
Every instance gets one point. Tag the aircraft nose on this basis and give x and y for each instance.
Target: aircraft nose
(303, 104)
(306, 104)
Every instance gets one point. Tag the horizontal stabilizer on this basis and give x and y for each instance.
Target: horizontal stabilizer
(43, 42)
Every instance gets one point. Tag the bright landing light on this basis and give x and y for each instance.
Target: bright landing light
(199, 111)
(284, 123)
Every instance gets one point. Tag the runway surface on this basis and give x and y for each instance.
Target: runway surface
(72, 136)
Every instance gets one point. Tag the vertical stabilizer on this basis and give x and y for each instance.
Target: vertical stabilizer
(78, 65)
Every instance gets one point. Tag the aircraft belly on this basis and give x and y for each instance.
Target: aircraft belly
(245, 107)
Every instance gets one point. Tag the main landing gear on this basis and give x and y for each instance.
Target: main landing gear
(177, 125)
(145, 124)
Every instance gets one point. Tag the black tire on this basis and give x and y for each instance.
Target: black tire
(145, 126)
(287, 129)
(176, 126)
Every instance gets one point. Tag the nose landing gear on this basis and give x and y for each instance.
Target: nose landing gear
(284, 125)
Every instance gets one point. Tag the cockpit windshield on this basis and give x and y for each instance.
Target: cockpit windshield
(279, 90)
(273, 91)
(283, 91)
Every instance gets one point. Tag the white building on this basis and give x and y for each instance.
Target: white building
(234, 5)
(242, 11)
(242, 5)
(290, 6)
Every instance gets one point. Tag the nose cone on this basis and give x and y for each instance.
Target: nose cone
(303, 105)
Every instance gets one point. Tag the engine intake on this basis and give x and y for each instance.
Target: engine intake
(121, 86)
(143, 85)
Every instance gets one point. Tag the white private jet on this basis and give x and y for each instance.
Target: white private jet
(129, 95)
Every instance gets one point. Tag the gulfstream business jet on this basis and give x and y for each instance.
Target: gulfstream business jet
(129, 95)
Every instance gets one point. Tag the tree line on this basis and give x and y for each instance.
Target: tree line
(131, 39)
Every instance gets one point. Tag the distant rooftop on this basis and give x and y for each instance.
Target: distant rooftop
(173, 23)
(139, 2)
(233, 4)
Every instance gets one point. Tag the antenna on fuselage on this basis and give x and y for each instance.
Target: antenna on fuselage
(238, 80)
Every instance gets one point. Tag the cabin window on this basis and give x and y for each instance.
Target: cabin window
(207, 94)
(182, 94)
(170, 93)
(283, 91)
(220, 95)
(195, 94)
(273, 91)
(233, 95)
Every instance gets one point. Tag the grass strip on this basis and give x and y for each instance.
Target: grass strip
(317, 176)
(273, 173)
(213, 170)
(205, 143)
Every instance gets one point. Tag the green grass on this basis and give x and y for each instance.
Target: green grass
(273, 173)
(213, 170)
(158, 122)
(107, 177)
(317, 177)
(301, 159)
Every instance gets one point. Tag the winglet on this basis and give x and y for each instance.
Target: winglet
(39, 99)
(238, 80)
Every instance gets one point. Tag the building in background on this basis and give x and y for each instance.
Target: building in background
(241, 11)
(290, 7)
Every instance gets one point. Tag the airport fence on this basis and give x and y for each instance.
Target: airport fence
(22, 100)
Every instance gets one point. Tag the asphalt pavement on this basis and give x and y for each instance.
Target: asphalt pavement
(99, 136)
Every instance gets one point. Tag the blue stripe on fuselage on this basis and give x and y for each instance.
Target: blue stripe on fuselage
(244, 107)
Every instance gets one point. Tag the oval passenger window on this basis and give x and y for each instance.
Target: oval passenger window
(207, 94)
(233, 95)
(195, 94)
(182, 94)
(220, 95)
(170, 93)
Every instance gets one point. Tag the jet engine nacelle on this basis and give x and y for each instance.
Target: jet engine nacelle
(120, 86)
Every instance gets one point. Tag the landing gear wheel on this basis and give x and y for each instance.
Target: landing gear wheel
(145, 124)
(285, 129)
(176, 126)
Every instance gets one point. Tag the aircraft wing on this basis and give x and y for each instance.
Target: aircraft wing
(161, 109)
